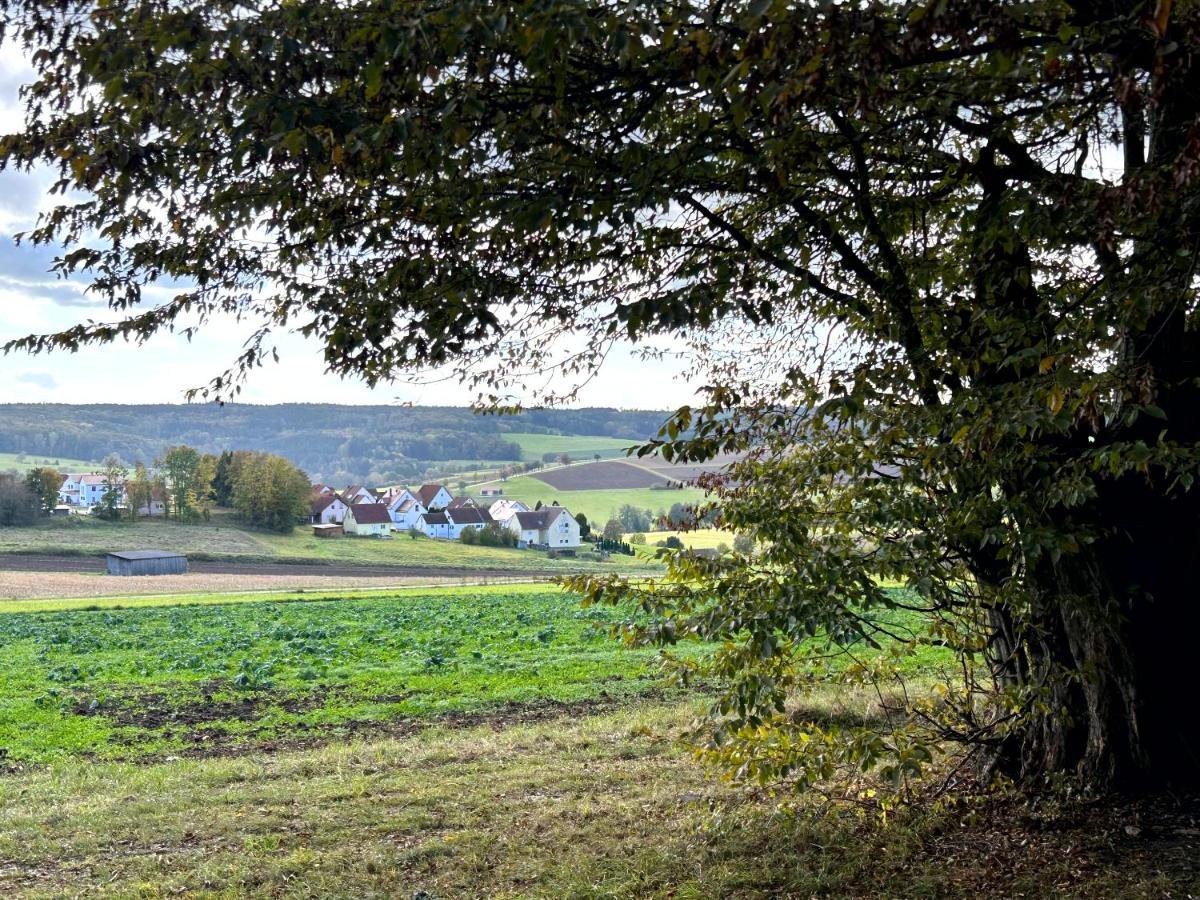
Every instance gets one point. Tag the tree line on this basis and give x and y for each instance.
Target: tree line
(265, 489)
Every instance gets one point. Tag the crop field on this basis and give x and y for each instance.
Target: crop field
(578, 446)
(597, 505)
(604, 475)
(203, 679)
(85, 536)
(686, 472)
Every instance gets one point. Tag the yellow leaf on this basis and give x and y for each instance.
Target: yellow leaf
(1047, 364)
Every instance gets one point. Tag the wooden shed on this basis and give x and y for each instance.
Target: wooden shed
(145, 562)
(327, 531)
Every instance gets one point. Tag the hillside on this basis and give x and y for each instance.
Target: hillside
(377, 444)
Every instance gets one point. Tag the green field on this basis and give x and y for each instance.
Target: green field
(128, 683)
(578, 446)
(598, 506)
(80, 535)
(31, 460)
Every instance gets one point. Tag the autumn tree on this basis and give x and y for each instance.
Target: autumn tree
(937, 263)
(270, 492)
(44, 483)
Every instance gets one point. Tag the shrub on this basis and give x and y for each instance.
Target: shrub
(673, 543)
(637, 539)
(469, 536)
(743, 543)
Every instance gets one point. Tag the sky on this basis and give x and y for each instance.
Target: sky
(33, 300)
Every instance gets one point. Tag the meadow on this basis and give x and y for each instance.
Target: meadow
(578, 446)
(24, 462)
(598, 505)
(223, 540)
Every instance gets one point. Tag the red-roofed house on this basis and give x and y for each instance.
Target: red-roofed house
(434, 497)
(368, 519)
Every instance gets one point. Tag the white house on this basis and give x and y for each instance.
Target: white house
(406, 515)
(464, 518)
(367, 519)
(157, 505)
(328, 509)
(551, 526)
(434, 524)
(359, 493)
(502, 510)
(434, 497)
(85, 490)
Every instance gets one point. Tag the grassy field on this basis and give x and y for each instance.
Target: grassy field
(454, 743)
(31, 460)
(219, 540)
(203, 678)
(700, 539)
(598, 506)
(578, 446)
(604, 805)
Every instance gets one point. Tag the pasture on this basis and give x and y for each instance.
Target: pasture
(221, 540)
(22, 462)
(597, 504)
(578, 446)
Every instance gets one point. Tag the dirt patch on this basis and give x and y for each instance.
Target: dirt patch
(599, 476)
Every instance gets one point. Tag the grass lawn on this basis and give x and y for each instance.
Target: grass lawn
(33, 460)
(578, 446)
(220, 539)
(598, 506)
(604, 805)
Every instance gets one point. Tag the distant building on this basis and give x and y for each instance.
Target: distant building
(368, 520)
(501, 510)
(145, 562)
(434, 524)
(464, 518)
(434, 497)
(551, 526)
(328, 509)
(327, 531)
(359, 493)
(460, 502)
(491, 492)
(86, 490)
(407, 513)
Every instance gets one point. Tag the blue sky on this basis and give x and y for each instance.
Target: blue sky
(32, 300)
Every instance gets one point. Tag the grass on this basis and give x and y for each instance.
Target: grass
(700, 539)
(578, 446)
(32, 460)
(600, 505)
(80, 535)
(601, 806)
(155, 679)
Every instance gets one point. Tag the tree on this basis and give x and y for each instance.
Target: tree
(113, 498)
(224, 478)
(743, 543)
(585, 528)
(613, 530)
(937, 258)
(270, 492)
(633, 519)
(18, 504)
(139, 489)
(564, 459)
(44, 483)
(184, 476)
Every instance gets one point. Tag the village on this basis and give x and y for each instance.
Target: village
(362, 511)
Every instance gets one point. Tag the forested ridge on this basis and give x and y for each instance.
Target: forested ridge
(375, 443)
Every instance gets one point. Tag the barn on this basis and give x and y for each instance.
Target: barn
(145, 562)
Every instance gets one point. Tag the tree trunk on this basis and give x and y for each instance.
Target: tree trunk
(1117, 643)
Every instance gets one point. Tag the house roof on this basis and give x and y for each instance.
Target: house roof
(435, 518)
(540, 518)
(460, 502)
(369, 513)
(92, 478)
(323, 502)
(428, 492)
(408, 504)
(469, 515)
(509, 505)
(145, 554)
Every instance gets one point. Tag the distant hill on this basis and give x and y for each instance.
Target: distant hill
(379, 444)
